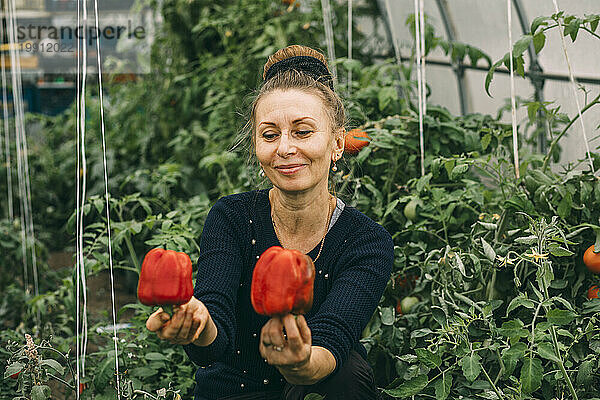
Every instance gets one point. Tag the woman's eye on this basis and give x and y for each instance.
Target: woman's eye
(304, 133)
(269, 135)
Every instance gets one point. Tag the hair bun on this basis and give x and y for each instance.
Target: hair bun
(306, 64)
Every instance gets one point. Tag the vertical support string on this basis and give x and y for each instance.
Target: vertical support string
(16, 95)
(106, 199)
(11, 215)
(27, 234)
(81, 318)
(78, 176)
(574, 87)
(397, 53)
(423, 83)
(326, 10)
(419, 55)
(349, 46)
(513, 106)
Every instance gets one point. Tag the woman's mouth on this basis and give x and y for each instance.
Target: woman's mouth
(290, 169)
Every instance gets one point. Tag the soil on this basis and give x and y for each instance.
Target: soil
(99, 289)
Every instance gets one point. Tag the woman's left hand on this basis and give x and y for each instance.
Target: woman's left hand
(289, 351)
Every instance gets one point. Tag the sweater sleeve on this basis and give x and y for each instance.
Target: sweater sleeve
(358, 285)
(217, 281)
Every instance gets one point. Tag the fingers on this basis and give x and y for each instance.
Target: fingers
(184, 326)
(157, 320)
(271, 337)
(294, 338)
(304, 329)
(288, 349)
(272, 333)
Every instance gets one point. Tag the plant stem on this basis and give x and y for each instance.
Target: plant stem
(144, 393)
(564, 131)
(62, 381)
(346, 181)
(561, 365)
(62, 355)
(502, 367)
(491, 383)
(136, 262)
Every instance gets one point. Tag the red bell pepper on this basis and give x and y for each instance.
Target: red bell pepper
(282, 282)
(166, 278)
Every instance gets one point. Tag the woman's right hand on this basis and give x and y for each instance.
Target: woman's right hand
(187, 324)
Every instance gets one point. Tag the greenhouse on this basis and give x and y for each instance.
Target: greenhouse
(300, 199)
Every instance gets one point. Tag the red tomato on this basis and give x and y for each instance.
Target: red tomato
(592, 260)
(593, 292)
(352, 144)
(398, 307)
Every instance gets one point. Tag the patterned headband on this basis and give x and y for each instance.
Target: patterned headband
(306, 64)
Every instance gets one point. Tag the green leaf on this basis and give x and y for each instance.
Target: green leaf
(537, 22)
(443, 386)
(565, 205)
(13, 369)
(385, 96)
(449, 166)
(409, 388)
(488, 225)
(515, 352)
(486, 140)
(546, 350)
(391, 206)
(439, 315)
(539, 39)
(471, 366)
(40, 392)
(387, 315)
(512, 355)
(490, 75)
(531, 374)
(458, 171)
(55, 365)
(156, 357)
(430, 359)
(526, 239)
(572, 28)
(559, 251)
(514, 330)
(519, 301)
(585, 373)
(143, 372)
(560, 317)
(488, 251)
(521, 45)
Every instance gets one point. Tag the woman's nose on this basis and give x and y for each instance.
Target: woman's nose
(286, 144)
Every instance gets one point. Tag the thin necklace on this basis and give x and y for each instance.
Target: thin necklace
(324, 234)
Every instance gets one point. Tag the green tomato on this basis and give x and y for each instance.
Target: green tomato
(408, 303)
(410, 210)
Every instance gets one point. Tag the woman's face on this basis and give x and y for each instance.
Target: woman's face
(294, 141)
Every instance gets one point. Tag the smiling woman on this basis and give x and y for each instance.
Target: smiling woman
(297, 134)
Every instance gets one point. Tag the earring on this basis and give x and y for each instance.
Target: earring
(261, 173)
(334, 168)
